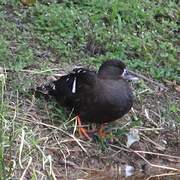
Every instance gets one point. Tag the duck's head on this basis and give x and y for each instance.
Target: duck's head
(114, 69)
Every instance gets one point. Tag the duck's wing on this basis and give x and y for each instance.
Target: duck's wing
(68, 89)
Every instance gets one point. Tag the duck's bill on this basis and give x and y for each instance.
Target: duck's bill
(128, 76)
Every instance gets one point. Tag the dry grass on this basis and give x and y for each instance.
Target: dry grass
(37, 146)
(38, 139)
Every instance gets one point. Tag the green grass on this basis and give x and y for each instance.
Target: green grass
(47, 35)
(142, 33)
(2, 125)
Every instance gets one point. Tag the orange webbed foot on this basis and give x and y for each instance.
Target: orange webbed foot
(101, 132)
(82, 131)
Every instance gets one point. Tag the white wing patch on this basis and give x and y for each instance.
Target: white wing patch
(80, 70)
(53, 86)
(84, 71)
(67, 79)
(74, 86)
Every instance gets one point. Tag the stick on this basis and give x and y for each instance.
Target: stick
(149, 80)
(24, 173)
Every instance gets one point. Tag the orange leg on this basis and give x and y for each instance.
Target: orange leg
(82, 131)
(101, 132)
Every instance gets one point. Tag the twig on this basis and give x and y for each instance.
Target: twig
(155, 165)
(152, 165)
(29, 163)
(120, 148)
(150, 129)
(68, 163)
(162, 175)
(65, 156)
(158, 154)
(44, 158)
(75, 127)
(151, 141)
(21, 148)
(53, 175)
(146, 112)
(31, 71)
(149, 80)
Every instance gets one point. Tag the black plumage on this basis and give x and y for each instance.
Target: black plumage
(96, 97)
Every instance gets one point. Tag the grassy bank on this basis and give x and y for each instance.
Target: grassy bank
(37, 138)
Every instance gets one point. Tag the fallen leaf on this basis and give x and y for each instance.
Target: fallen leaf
(129, 170)
(132, 137)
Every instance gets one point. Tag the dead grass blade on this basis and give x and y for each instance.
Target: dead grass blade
(152, 142)
(160, 85)
(64, 132)
(31, 71)
(149, 163)
(24, 173)
(163, 175)
(21, 148)
(155, 165)
(160, 154)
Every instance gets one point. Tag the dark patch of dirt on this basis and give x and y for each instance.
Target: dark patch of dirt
(93, 47)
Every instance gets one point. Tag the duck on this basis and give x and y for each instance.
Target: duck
(97, 97)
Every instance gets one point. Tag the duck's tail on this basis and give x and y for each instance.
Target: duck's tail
(45, 89)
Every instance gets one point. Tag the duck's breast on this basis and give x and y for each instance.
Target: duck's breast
(108, 101)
